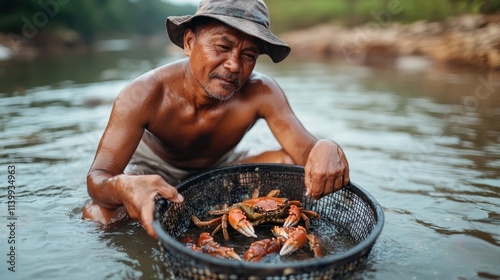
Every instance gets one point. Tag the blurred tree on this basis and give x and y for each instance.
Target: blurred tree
(490, 7)
(90, 18)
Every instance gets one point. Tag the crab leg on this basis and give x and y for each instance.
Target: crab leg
(273, 193)
(306, 214)
(239, 222)
(209, 246)
(315, 245)
(224, 226)
(210, 223)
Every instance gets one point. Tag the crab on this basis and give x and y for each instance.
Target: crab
(261, 248)
(206, 244)
(292, 238)
(295, 238)
(243, 216)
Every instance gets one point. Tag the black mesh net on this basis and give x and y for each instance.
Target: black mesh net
(352, 210)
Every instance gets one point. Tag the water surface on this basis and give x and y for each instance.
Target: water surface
(425, 142)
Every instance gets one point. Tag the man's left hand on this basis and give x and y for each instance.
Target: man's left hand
(326, 169)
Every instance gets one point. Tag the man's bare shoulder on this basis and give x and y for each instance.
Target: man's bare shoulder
(168, 72)
(262, 84)
(155, 82)
(259, 78)
(264, 93)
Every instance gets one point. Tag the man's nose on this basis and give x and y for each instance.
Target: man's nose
(232, 63)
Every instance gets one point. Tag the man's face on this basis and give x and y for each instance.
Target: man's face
(221, 58)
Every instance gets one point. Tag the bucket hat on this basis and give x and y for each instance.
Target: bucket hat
(250, 17)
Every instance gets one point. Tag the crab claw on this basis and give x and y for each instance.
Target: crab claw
(209, 246)
(281, 233)
(260, 249)
(297, 238)
(227, 253)
(239, 222)
(293, 216)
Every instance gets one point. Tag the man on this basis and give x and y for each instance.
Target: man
(188, 116)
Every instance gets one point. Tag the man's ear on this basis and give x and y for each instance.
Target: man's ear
(188, 41)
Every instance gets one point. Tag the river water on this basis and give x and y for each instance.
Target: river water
(424, 140)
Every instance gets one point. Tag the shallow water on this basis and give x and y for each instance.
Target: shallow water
(425, 142)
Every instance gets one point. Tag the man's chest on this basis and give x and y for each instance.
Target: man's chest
(202, 134)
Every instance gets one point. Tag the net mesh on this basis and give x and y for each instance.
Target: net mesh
(352, 210)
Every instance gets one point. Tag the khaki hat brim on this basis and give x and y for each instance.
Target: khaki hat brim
(273, 46)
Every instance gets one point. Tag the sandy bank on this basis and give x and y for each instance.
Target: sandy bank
(472, 40)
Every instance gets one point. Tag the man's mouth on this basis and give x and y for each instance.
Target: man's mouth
(228, 79)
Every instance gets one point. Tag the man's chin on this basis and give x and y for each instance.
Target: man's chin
(221, 96)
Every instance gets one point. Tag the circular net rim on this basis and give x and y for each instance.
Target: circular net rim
(351, 257)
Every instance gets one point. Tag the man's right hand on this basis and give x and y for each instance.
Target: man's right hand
(138, 193)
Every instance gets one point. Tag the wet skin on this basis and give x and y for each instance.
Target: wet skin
(192, 112)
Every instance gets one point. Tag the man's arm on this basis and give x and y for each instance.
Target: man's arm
(118, 143)
(107, 185)
(325, 164)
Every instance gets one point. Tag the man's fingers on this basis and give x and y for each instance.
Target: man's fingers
(338, 181)
(346, 178)
(150, 230)
(308, 192)
(311, 187)
(147, 218)
(308, 180)
(318, 186)
(171, 194)
(147, 212)
(329, 185)
(315, 183)
(321, 185)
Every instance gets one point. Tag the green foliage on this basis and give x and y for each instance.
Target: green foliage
(490, 6)
(90, 18)
(292, 14)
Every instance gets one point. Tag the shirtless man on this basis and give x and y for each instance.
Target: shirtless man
(188, 116)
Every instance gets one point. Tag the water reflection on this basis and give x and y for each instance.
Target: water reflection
(59, 71)
(139, 256)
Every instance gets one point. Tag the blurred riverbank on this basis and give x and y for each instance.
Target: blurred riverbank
(469, 40)
(49, 43)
